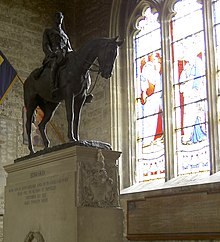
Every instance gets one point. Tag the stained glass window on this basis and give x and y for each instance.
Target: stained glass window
(189, 83)
(216, 22)
(148, 86)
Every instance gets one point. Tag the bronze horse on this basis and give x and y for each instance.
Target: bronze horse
(73, 83)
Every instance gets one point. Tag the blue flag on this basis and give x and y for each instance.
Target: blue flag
(7, 76)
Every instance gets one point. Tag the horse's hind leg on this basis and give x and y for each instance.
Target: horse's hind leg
(48, 110)
(30, 110)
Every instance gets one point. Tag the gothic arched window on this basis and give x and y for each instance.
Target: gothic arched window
(149, 106)
(170, 75)
(189, 85)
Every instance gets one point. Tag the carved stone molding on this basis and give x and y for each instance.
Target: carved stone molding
(97, 183)
(37, 236)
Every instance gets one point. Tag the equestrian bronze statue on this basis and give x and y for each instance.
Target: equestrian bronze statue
(73, 82)
(55, 45)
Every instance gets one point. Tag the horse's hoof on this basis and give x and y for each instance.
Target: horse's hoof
(31, 152)
(73, 140)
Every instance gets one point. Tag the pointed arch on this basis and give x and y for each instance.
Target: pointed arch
(124, 19)
(125, 15)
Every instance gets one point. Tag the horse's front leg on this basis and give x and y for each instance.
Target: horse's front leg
(69, 113)
(28, 130)
(78, 103)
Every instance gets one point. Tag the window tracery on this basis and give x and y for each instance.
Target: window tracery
(189, 91)
(177, 43)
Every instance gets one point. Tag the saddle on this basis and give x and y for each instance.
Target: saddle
(38, 72)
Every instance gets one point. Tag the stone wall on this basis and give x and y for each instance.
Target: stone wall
(92, 21)
(22, 23)
(21, 27)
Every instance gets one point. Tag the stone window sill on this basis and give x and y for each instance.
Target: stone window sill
(185, 183)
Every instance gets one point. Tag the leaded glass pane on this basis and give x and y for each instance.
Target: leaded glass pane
(190, 98)
(145, 46)
(216, 21)
(148, 76)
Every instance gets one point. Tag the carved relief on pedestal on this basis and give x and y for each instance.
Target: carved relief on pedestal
(97, 183)
(34, 236)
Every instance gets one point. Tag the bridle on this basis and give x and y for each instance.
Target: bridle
(97, 70)
(92, 70)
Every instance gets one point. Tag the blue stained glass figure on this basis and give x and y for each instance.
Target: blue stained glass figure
(198, 134)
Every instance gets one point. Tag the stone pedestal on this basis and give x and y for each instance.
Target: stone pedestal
(70, 195)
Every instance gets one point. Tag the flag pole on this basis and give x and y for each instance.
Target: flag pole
(20, 79)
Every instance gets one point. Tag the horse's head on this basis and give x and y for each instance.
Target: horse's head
(107, 55)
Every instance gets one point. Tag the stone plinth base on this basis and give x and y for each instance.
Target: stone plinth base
(70, 195)
(100, 224)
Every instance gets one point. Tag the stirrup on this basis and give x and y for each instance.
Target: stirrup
(89, 98)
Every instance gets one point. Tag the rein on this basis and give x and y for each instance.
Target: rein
(98, 72)
(97, 77)
(92, 70)
(93, 64)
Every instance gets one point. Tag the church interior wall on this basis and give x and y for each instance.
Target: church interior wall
(125, 26)
(21, 30)
(22, 23)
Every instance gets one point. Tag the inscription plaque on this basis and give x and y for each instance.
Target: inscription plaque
(37, 191)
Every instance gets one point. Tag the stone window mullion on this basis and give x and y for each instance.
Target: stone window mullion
(167, 96)
(211, 87)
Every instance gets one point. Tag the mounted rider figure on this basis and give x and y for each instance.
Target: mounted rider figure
(56, 45)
